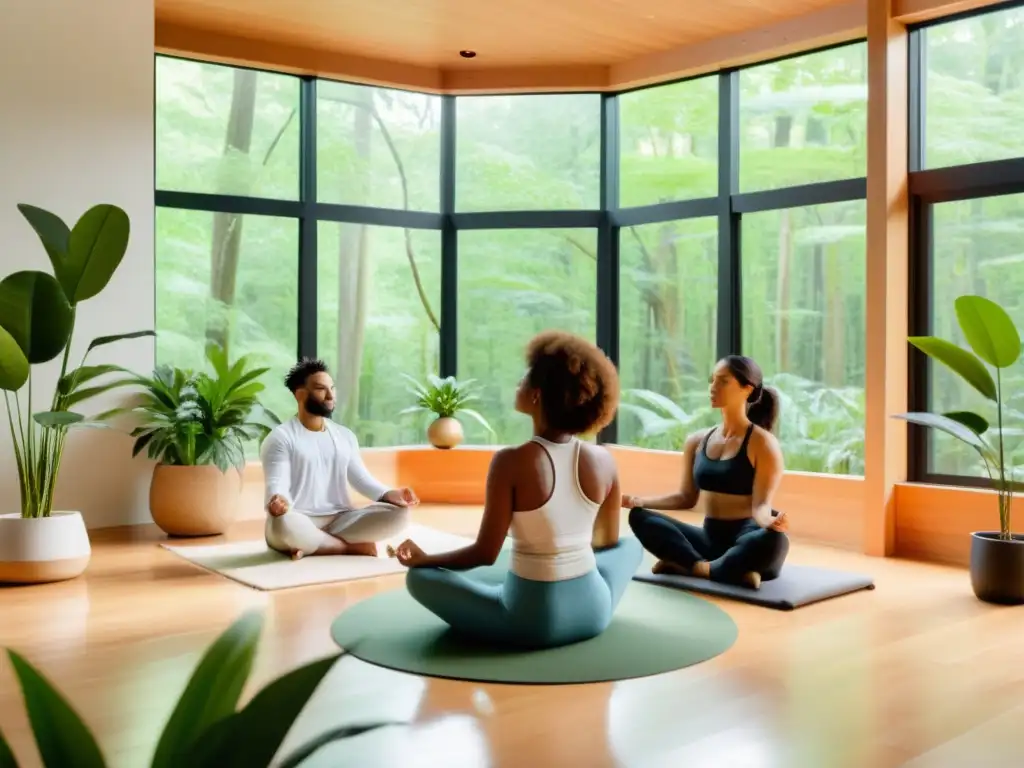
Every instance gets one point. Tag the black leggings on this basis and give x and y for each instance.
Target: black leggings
(733, 547)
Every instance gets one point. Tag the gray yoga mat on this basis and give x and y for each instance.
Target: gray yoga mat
(797, 586)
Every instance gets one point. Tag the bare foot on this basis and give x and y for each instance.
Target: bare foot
(702, 570)
(752, 579)
(670, 569)
(297, 554)
(369, 549)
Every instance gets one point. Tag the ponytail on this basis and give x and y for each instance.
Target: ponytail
(763, 407)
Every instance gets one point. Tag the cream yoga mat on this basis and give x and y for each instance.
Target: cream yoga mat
(252, 563)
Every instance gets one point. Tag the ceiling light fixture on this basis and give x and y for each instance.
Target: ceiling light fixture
(467, 54)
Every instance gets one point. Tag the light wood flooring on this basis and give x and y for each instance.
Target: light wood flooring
(917, 672)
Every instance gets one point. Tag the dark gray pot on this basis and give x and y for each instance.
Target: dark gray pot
(997, 568)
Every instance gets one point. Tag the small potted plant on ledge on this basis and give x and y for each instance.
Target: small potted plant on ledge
(444, 398)
(195, 425)
(37, 324)
(997, 557)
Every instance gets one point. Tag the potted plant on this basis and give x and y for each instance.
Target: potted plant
(997, 557)
(444, 398)
(206, 729)
(195, 425)
(37, 323)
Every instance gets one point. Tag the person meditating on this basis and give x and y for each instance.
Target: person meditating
(559, 498)
(308, 462)
(735, 470)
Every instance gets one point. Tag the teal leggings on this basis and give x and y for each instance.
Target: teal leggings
(497, 606)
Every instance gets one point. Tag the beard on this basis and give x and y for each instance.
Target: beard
(318, 408)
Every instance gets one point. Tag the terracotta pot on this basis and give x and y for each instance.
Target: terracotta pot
(445, 432)
(194, 501)
(38, 550)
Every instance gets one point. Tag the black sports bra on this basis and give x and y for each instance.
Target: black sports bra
(734, 476)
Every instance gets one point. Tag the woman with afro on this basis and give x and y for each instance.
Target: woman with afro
(558, 496)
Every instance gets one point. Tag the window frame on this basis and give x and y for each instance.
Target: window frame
(928, 187)
(729, 206)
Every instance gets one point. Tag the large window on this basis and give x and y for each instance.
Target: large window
(804, 119)
(668, 139)
(377, 147)
(513, 285)
(226, 131)
(803, 321)
(668, 322)
(392, 233)
(229, 280)
(967, 191)
(536, 152)
(974, 89)
(378, 310)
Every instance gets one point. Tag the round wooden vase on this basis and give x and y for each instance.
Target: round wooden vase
(194, 501)
(39, 550)
(445, 432)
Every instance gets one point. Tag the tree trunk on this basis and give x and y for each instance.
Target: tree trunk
(227, 227)
(783, 124)
(352, 272)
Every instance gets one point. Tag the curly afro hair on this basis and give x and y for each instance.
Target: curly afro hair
(578, 385)
(300, 372)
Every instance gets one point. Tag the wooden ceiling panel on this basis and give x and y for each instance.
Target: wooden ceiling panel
(504, 33)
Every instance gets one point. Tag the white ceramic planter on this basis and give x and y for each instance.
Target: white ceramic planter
(39, 550)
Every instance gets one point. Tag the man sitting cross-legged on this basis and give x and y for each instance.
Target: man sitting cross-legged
(308, 462)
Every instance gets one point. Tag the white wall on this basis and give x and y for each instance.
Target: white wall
(76, 129)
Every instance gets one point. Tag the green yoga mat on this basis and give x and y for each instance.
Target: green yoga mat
(654, 630)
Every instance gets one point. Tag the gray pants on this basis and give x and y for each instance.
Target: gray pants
(297, 531)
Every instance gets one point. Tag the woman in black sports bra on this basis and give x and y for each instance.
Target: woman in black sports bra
(736, 468)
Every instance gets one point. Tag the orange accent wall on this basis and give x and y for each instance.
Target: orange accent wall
(935, 523)
(822, 508)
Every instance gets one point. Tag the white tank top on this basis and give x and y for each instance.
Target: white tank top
(553, 542)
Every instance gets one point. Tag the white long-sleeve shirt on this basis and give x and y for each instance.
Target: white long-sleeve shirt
(312, 470)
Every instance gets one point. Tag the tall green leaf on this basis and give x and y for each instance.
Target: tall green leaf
(950, 427)
(100, 341)
(63, 739)
(51, 419)
(977, 424)
(76, 378)
(36, 313)
(989, 330)
(53, 233)
(14, 367)
(212, 692)
(7, 759)
(98, 242)
(88, 393)
(253, 736)
(960, 361)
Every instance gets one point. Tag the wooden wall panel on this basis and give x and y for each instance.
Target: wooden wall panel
(823, 508)
(934, 523)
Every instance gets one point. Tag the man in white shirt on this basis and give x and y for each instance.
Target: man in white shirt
(308, 463)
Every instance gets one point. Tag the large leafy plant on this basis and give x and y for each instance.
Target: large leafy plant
(206, 729)
(189, 418)
(37, 324)
(994, 339)
(444, 398)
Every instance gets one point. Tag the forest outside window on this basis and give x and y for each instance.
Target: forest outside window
(668, 318)
(226, 130)
(528, 152)
(514, 284)
(803, 321)
(378, 310)
(804, 119)
(377, 147)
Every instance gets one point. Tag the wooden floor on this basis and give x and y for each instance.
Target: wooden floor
(917, 672)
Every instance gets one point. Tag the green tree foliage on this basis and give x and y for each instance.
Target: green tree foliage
(802, 120)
